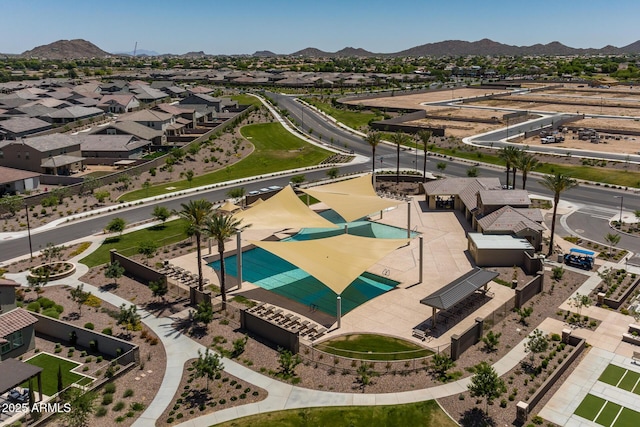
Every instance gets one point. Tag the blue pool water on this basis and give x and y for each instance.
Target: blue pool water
(271, 272)
(362, 228)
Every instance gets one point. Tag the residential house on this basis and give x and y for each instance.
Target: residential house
(17, 181)
(148, 94)
(114, 86)
(56, 154)
(118, 103)
(157, 137)
(219, 104)
(17, 333)
(20, 126)
(72, 114)
(156, 120)
(184, 115)
(112, 146)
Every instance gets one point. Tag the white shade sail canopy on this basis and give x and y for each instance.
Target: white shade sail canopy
(334, 261)
(352, 199)
(282, 210)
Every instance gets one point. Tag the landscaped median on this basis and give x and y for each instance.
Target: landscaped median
(275, 150)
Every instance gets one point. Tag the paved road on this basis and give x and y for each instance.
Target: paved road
(385, 157)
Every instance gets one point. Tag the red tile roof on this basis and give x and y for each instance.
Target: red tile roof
(15, 320)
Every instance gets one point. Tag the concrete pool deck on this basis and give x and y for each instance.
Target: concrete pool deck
(398, 311)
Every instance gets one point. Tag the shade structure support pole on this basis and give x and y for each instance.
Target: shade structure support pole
(381, 214)
(346, 229)
(433, 317)
(421, 242)
(239, 257)
(409, 220)
(307, 199)
(339, 310)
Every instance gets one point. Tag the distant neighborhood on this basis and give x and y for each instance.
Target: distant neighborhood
(57, 127)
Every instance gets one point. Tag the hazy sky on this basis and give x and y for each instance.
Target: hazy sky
(285, 26)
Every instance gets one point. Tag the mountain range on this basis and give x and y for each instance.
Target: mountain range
(78, 48)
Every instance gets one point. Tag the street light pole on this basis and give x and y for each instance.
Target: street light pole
(621, 202)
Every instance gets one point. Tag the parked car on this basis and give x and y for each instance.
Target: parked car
(15, 396)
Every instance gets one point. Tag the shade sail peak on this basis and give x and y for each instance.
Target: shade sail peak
(282, 210)
(352, 199)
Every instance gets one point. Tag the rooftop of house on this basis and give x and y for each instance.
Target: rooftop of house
(8, 175)
(146, 116)
(15, 320)
(130, 128)
(23, 124)
(102, 142)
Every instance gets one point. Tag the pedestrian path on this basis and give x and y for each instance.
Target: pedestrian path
(281, 396)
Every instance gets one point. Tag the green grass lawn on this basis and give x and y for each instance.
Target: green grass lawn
(629, 381)
(590, 407)
(246, 100)
(353, 119)
(424, 414)
(612, 375)
(627, 418)
(608, 414)
(373, 347)
(589, 173)
(49, 374)
(275, 150)
(127, 244)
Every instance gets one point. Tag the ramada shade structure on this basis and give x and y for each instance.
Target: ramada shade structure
(457, 290)
(282, 210)
(352, 199)
(335, 261)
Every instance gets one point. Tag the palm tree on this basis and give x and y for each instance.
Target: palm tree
(557, 184)
(399, 138)
(612, 239)
(373, 138)
(221, 227)
(526, 163)
(196, 213)
(425, 136)
(509, 154)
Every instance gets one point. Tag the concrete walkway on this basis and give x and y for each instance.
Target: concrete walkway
(281, 396)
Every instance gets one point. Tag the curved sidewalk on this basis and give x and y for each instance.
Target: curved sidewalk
(281, 396)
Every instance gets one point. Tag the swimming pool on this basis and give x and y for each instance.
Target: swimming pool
(273, 273)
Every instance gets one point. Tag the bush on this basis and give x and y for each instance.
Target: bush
(118, 406)
(128, 393)
(107, 399)
(107, 331)
(34, 306)
(556, 337)
(137, 406)
(557, 273)
(51, 312)
(89, 325)
(110, 388)
(101, 411)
